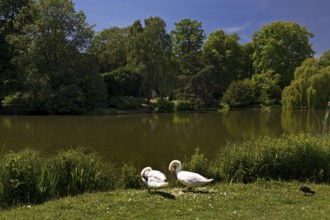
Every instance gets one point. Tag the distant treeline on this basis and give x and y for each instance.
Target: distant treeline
(53, 62)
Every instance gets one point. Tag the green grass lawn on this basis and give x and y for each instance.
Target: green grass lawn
(261, 200)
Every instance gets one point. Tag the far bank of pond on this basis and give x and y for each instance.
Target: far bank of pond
(151, 139)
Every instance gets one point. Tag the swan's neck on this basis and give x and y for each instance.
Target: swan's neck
(177, 169)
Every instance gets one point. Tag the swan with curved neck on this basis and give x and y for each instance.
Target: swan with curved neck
(153, 178)
(187, 178)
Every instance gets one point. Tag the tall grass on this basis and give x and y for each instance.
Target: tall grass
(301, 157)
(73, 172)
(197, 162)
(130, 177)
(26, 177)
(20, 175)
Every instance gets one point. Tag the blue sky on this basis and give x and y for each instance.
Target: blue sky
(241, 16)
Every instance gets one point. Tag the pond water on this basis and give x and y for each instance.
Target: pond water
(151, 140)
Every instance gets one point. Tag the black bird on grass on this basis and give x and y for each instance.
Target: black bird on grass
(306, 190)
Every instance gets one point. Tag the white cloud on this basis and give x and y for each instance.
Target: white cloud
(237, 29)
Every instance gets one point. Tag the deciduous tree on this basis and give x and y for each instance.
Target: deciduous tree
(310, 87)
(109, 48)
(52, 54)
(281, 47)
(149, 51)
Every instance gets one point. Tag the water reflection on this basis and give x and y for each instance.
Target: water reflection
(150, 139)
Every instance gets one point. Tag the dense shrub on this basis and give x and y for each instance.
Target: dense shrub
(123, 102)
(162, 105)
(26, 177)
(198, 163)
(180, 106)
(302, 157)
(124, 81)
(240, 93)
(20, 176)
(130, 177)
(73, 172)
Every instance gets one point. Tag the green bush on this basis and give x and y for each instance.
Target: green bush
(162, 105)
(19, 103)
(198, 163)
(124, 102)
(130, 178)
(27, 178)
(124, 81)
(73, 172)
(301, 157)
(240, 93)
(20, 176)
(180, 106)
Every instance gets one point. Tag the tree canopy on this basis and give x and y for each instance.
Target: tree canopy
(187, 37)
(52, 62)
(310, 87)
(281, 47)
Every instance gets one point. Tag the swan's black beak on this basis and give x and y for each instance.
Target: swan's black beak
(173, 170)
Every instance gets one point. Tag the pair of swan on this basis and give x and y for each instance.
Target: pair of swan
(156, 179)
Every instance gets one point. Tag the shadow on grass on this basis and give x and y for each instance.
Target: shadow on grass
(164, 194)
(197, 191)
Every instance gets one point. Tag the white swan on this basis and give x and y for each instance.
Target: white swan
(153, 178)
(187, 178)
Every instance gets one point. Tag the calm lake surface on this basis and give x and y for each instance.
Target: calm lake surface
(151, 140)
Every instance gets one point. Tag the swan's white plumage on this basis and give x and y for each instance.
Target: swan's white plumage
(187, 178)
(153, 178)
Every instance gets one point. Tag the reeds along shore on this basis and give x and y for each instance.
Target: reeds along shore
(26, 177)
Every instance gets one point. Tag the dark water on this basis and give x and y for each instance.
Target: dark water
(152, 140)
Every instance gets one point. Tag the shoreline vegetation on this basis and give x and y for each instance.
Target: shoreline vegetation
(28, 178)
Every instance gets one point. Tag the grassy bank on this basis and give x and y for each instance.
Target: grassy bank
(260, 200)
(26, 177)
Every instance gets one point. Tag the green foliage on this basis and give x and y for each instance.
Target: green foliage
(181, 106)
(225, 108)
(48, 53)
(109, 48)
(130, 177)
(281, 47)
(73, 172)
(325, 121)
(267, 88)
(9, 11)
(187, 37)
(196, 86)
(302, 157)
(123, 102)
(240, 93)
(325, 58)
(162, 105)
(19, 103)
(149, 51)
(28, 178)
(198, 163)
(20, 178)
(125, 81)
(225, 53)
(309, 87)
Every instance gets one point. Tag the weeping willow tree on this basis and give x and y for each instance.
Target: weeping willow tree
(309, 88)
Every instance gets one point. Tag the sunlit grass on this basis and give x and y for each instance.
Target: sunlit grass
(260, 200)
